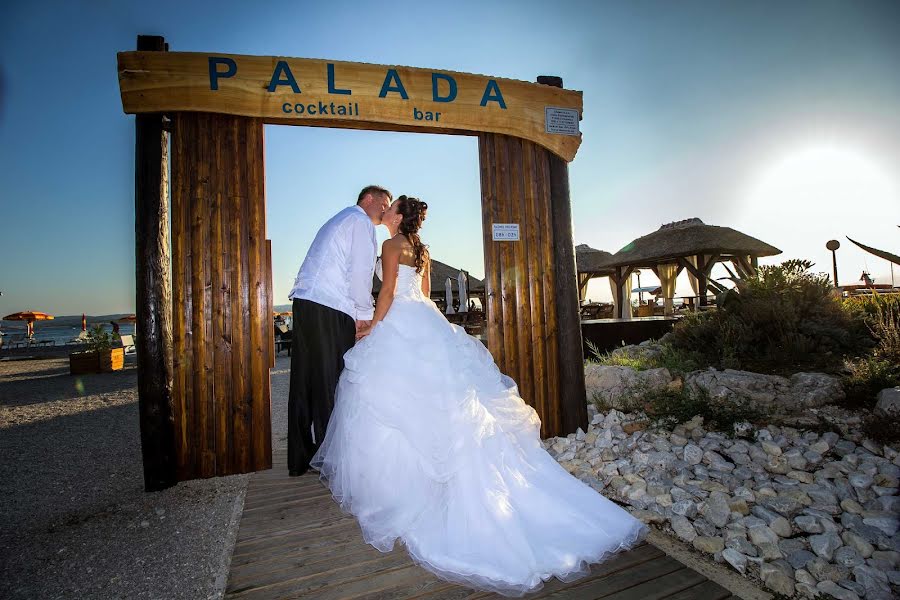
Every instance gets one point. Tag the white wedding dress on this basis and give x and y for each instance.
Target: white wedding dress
(430, 444)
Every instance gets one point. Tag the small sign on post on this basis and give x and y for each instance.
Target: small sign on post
(506, 232)
(561, 120)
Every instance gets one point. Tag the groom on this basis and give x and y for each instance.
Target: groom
(332, 302)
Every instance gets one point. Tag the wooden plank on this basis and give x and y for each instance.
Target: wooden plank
(489, 202)
(218, 291)
(240, 341)
(184, 138)
(182, 81)
(271, 309)
(572, 405)
(524, 376)
(553, 425)
(510, 364)
(660, 586)
(614, 584)
(153, 301)
(706, 590)
(535, 266)
(260, 309)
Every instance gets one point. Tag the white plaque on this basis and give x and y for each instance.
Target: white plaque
(561, 120)
(506, 232)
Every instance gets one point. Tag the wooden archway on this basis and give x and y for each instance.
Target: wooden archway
(207, 341)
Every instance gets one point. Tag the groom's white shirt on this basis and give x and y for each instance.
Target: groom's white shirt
(337, 271)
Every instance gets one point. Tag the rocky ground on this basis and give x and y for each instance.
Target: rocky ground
(804, 513)
(75, 521)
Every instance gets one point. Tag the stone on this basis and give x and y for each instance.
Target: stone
(683, 528)
(851, 506)
(891, 557)
(765, 540)
(709, 544)
(783, 505)
(693, 454)
(685, 508)
(739, 387)
(739, 505)
(778, 577)
(810, 390)
(799, 558)
(823, 570)
(778, 464)
(860, 480)
(875, 581)
(808, 524)
(835, 591)
(619, 385)
(716, 509)
(742, 545)
(737, 560)
(888, 404)
(705, 528)
(801, 476)
(776, 522)
(847, 556)
(884, 521)
(770, 448)
(825, 544)
(648, 516)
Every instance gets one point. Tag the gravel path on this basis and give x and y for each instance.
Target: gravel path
(75, 521)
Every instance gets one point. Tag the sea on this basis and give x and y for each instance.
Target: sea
(61, 334)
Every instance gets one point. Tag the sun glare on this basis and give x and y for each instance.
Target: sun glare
(821, 183)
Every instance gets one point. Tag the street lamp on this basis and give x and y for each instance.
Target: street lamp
(833, 245)
(640, 291)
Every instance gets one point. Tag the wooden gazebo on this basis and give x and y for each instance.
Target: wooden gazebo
(692, 245)
(590, 263)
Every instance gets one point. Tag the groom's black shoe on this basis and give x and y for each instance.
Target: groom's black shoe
(297, 472)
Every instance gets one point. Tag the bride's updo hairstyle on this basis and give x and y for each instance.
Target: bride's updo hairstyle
(413, 212)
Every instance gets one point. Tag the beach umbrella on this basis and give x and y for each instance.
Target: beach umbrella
(83, 322)
(127, 319)
(29, 316)
(463, 298)
(448, 293)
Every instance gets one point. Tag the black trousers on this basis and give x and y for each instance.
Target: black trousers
(321, 336)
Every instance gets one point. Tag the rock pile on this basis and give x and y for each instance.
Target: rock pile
(807, 514)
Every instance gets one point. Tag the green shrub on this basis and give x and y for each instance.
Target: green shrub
(676, 360)
(866, 377)
(667, 408)
(98, 339)
(783, 320)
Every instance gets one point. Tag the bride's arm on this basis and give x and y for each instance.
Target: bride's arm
(390, 266)
(426, 278)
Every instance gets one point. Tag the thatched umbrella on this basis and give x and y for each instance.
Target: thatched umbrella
(590, 263)
(693, 245)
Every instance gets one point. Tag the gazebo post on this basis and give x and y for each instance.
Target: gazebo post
(571, 354)
(620, 296)
(701, 279)
(153, 305)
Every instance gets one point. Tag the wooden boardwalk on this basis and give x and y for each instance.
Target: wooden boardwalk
(294, 542)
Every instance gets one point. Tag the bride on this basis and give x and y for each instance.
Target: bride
(430, 444)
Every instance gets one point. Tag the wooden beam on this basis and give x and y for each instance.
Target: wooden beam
(571, 358)
(351, 95)
(153, 302)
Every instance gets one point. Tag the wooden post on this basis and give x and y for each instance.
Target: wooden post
(701, 279)
(153, 303)
(571, 358)
(620, 295)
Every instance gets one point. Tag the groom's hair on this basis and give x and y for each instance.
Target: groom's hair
(373, 189)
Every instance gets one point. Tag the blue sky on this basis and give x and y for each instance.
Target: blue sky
(779, 119)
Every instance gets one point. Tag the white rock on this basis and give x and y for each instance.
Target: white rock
(836, 591)
(737, 560)
(888, 402)
(683, 528)
(825, 544)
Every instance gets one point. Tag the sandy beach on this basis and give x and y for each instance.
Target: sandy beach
(75, 521)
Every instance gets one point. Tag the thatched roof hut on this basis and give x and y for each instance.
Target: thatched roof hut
(592, 261)
(692, 245)
(439, 274)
